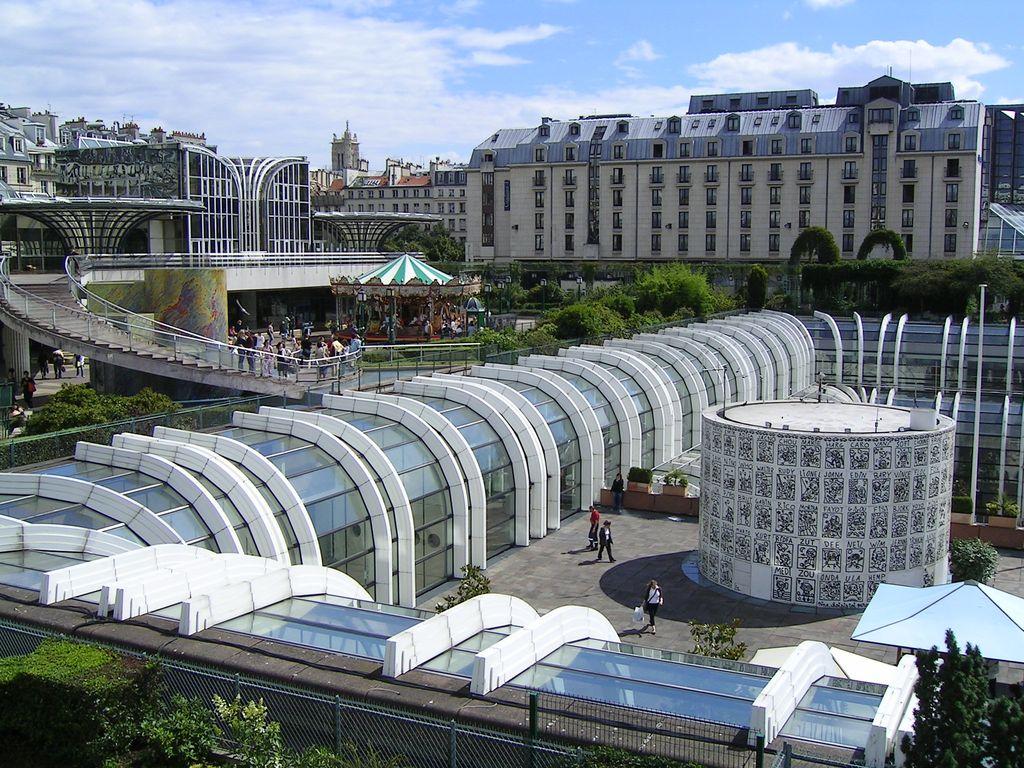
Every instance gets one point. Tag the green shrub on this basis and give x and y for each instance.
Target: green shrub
(583, 320)
(963, 505)
(181, 736)
(757, 287)
(972, 559)
(473, 584)
(612, 757)
(640, 475)
(677, 477)
(886, 237)
(1004, 506)
(79, 405)
(814, 243)
(717, 641)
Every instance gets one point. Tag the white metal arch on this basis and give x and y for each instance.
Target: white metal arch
(443, 631)
(837, 341)
(1009, 354)
(799, 364)
(732, 353)
(477, 518)
(662, 396)
(943, 355)
(705, 359)
(756, 350)
(689, 376)
(621, 403)
(807, 346)
(860, 348)
(162, 470)
(527, 470)
(782, 386)
(455, 482)
(369, 454)
(963, 352)
(521, 407)
(239, 598)
(576, 407)
(881, 347)
(380, 523)
(222, 473)
(136, 518)
(900, 325)
(259, 465)
(512, 655)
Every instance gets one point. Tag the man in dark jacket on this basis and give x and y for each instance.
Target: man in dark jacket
(604, 538)
(617, 488)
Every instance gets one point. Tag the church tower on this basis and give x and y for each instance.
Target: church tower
(345, 151)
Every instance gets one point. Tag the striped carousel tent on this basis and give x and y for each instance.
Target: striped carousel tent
(403, 270)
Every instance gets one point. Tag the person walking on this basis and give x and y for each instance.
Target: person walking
(43, 362)
(58, 364)
(617, 488)
(595, 525)
(653, 599)
(79, 366)
(604, 536)
(28, 389)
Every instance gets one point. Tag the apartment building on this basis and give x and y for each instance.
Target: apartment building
(735, 178)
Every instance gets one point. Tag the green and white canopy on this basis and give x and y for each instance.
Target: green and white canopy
(404, 270)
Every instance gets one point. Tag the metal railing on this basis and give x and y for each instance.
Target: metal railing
(310, 718)
(230, 260)
(380, 365)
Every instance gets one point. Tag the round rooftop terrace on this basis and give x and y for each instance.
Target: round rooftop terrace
(841, 418)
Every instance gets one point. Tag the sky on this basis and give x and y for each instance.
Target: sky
(433, 78)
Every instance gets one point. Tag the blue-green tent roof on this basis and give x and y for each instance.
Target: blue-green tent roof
(403, 270)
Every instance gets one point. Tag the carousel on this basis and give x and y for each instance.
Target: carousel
(408, 301)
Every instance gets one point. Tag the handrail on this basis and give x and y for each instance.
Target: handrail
(228, 260)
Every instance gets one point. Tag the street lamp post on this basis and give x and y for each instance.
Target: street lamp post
(392, 330)
(361, 310)
(543, 294)
(977, 401)
(579, 286)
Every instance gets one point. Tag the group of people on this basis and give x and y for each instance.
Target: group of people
(280, 354)
(59, 359)
(600, 539)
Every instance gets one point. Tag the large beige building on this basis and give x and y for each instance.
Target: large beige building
(735, 178)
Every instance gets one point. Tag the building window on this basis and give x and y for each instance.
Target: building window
(908, 241)
(23, 175)
(909, 169)
(711, 174)
(617, 176)
(745, 219)
(951, 217)
(617, 197)
(623, 126)
(847, 243)
(617, 220)
(538, 199)
(793, 120)
(745, 242)
(773, 242)
(806, 146)
(775, 172)
(952, 193)
(746, 195)
(848, 219)
(684, 195)
(711, 195)
(570, 198)
(908, 193)
(574, 129)
(849, 195)
(657, 175)
(684, 219)
(570, 243)
(684, 149)
(683, 243)
(851, 143)
(655, 197)
(538, 179)
(953, 141)
(674, 125)
(711, 219)
(655, 219)
(570, 154)
(880, 115)
(953, 168)
(617, 243)
(806, 172)
(805, 219)
(570, 220)
(805, 195)
(538, 242)
(710, 243)
(732, 123)
(747, 147)
(712, 149)
(683, 177)
(659, 150)
(776, 146)
(746, 172)
(538, 155)
(949, 243)
(853, 118)
(910, 142)
(538, 220)
(656, 242)
(617, 150)
(850, 170)
(908, 217)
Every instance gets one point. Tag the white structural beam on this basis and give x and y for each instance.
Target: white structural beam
(709, 362)
(178, 480)
(527, 470)
(252, 509)
(136, 518)
(960, 369)
(900, 325)
(442, 632)
(371, 457)
(237, 599)
(365, 485)
(509, 657)
(837, 341)
(293, 510)
(779, 698)
(764, 336)
(523, 409)
(756, 351)
(860, 348)
(404, 410)
(736, 362)
(581, 416)
(944, 353)
(885, 726)
(808, 343)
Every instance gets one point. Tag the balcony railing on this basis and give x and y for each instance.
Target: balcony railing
(538, 181)
(806, 175)
(775, 176)
(849, 174)
(683, 178)
(657, 178)
(909, 173)
(711, 178)
(746, 175)
(569, 181)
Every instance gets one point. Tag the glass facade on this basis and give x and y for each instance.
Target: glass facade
(25, 568)
(835, 712)
(643, 407)
(606, 418)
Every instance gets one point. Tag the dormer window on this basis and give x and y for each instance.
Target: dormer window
(674, 125)
(913, 116)
(793, 120)
(775, 119)
(544, 130)
(853, 118)
(488, 157)
(956, 113)
(574, 129)
(623, 126)
(494, 138)
(732, 123)
(711, 123)
(758, 120)
(815, 119)
(695, 124)
(570, 154)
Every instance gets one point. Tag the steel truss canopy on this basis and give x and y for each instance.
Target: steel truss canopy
(362, 232)
(95, 224)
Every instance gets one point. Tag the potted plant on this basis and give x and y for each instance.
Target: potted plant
(1002, 512)
(675, 483)
(962, 510)
(639, 479)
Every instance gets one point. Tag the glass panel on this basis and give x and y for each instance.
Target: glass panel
(76, 515)
(302, 460)
(339, 617)
(841, 701)
(25, 507)
(321, 483)
(815, 726)
(186, 523)
(337, 512)
(297, 633)
(158, 498)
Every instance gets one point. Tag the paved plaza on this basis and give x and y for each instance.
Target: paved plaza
(558, 570)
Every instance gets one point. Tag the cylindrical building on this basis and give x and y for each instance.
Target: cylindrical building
(818, 503)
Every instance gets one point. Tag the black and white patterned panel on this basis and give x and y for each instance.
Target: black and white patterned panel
(825, 517)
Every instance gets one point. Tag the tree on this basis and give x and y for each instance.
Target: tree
(884, 237)
(474, 583)
(717, 641)
(436, 244)
(972, 559)
(757, 287)
(814, 243)
(583, 319)
(79, 405)
(1005, 743)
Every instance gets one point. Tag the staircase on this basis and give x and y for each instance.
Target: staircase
(43, 307)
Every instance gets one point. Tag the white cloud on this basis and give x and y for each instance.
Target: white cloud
(1009, 100)
(495, 59)
(640, 51)
(789, 65)
(819, 4)
(495, 41)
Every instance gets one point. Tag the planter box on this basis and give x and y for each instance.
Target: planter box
(687, 506)
(999, 521)
(962, 518)
(641, 487)
(674, 490)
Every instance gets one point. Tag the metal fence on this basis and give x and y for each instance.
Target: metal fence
(787, 757)
(22, 451)
(311, 719)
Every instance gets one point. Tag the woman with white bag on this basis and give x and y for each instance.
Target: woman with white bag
(653, 600)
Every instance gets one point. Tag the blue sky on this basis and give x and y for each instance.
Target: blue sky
(435, 77)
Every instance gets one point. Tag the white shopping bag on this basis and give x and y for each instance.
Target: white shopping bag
(638, 615)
